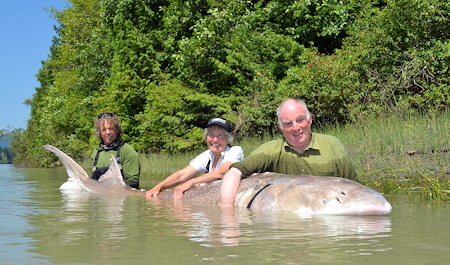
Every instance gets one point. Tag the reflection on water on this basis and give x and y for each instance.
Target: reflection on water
(42, 225)
(213, 227)
(88, 210)
(299, 239)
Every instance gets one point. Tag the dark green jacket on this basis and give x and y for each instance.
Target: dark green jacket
(129, 160)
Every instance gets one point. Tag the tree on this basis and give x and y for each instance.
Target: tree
(62, 108)
(401, 55)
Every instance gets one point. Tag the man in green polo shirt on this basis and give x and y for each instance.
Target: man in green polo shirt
(299, 152)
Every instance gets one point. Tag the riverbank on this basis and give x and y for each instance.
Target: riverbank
(401, 153)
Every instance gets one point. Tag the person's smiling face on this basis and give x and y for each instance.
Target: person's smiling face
(216, 140)
(108, 132)
(295, 125)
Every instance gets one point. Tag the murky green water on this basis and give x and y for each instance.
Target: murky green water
(42, 225)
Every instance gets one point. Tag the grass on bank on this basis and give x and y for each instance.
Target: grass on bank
(393, 154)
(407, 154)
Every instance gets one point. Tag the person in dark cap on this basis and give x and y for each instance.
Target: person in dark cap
(214, 162)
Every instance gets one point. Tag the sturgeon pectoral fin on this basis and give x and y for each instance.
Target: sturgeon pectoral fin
(113, 173)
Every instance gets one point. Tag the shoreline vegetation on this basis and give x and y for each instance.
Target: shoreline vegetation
(166, 67)
(394, 154)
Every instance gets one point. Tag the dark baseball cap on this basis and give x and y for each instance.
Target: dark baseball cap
(222, 122)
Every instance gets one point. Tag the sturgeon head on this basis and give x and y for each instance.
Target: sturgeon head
(109, 183)
(311, 195)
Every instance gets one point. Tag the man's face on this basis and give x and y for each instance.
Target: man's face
(295, 126)
(108, 132)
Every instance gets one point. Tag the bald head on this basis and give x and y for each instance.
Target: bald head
(294, 121)
(289, 103)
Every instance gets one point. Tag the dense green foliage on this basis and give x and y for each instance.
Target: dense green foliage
(166, 66)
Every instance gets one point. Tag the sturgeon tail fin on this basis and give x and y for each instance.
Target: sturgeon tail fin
(75, 171)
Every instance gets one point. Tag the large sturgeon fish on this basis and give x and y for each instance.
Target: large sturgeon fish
(265, 191)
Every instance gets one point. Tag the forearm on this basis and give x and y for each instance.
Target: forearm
(170, 181)
(206, 178)
(178, 177)
(229, 187)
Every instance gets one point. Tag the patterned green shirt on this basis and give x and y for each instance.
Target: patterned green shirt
(324, 156)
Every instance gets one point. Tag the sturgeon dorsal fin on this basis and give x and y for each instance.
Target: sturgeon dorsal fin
(113, 176)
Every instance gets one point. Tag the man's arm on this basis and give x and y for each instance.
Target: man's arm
(229, 187)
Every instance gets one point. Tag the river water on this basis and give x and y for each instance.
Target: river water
(42, 225)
